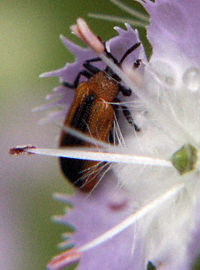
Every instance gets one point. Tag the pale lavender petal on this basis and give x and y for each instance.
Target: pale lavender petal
(53, 95)
(72, 257)
(54, 73)
(117, 46)
(70, 70)
(94, 214)
(74, 48)
(175, 24)
(194, 247)
(67, 74)
(56, 103)
(120, 44)
(60, 89)
(53, 117)
(64, 101)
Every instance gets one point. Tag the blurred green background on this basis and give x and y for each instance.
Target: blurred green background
(30, 45)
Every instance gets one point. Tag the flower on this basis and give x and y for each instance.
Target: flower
(144, 214)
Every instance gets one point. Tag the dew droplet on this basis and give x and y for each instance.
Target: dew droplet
(191, 79)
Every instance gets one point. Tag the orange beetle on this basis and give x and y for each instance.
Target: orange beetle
(92, 114)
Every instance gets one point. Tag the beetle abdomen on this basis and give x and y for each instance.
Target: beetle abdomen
(93, 117)
(73, 168)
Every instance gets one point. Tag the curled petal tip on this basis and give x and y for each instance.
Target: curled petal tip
(74, 30)
(43, 75)
(58, 219)
(62, 197)
(64, 259)
(35, 109)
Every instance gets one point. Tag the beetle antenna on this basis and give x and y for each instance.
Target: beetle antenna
(109, 55)
(130, 50)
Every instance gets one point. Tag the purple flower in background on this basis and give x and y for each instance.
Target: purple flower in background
(145, 211)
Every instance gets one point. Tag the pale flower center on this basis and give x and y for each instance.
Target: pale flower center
(174, 87)
(164, 73)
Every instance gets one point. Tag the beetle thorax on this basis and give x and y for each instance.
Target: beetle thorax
(103, 87)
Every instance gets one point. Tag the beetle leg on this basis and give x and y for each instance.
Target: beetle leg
(96, 59)
(126, 113)
(112, 57)
(125, 91)
(76, 81)
(90, 67)
(129, 117)
(130, 50)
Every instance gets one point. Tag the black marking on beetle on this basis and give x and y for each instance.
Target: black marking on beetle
(73, 168)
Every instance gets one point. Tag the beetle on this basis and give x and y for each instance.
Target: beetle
(93, 114)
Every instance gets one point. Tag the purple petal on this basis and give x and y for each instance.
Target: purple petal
(121, 43)
(59, 262)
(175, 24)
(96, 213)
(53, 117)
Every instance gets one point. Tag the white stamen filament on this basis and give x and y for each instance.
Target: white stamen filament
(84, 137)
(91, 154)
(132, 219)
